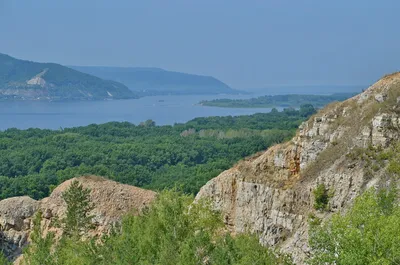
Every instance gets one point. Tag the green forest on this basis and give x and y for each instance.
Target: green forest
(290, 100)
(185, 156)
(176, 161)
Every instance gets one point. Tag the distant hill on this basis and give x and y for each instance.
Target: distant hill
(26, 80)
(156, 81)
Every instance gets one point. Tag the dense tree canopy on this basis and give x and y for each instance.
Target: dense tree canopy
(186, 155)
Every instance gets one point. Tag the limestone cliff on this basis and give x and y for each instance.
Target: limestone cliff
(271, 194)
(111, 202)
(15, 223)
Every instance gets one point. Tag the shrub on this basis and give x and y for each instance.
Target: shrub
(321, 197)
(173, 231)
(367, 234)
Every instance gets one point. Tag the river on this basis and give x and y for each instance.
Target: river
(162, 109)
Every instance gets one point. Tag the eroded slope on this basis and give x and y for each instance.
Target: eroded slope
(272, 194)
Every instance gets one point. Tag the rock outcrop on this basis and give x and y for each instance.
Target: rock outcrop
(272, 194)
(111, 201)
(15, 223)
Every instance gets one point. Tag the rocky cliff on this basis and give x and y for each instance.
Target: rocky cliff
(111, 202)
(272, 193)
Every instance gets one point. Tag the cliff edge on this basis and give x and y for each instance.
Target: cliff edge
(272, 194)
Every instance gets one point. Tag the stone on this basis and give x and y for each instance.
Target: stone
(111, 201)
(272, 196)
(380, 97)
(15, 222)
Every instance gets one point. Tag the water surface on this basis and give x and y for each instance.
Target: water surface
(162, 109)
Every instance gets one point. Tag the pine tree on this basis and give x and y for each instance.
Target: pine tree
(78, 218)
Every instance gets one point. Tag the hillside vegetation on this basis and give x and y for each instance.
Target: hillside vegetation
(156, 81)
(367, 234)
(174, 230)
(26, 80)
(167, 233)
(345, 149)
(340, 207)
(154, 157)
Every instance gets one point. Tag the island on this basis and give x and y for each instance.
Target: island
(271, 101)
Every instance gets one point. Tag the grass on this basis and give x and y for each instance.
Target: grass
(351, 118)
(358, 117)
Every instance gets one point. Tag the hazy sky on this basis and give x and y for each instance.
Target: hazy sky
(244, 43)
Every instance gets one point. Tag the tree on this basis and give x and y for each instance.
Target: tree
(306, 110)
(173, 231)
(367, 234)
(148, 123)
(177, 231)
(39, 251)
(32, 161)
(45, 249)
(78, 218)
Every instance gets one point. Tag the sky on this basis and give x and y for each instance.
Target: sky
(247, 44)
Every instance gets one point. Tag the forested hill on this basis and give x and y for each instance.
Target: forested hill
(26, 80)
(156, 81)
(185, 156)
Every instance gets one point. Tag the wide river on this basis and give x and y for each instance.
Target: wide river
(162, 109)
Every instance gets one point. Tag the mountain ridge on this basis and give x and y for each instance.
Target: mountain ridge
(158, 81)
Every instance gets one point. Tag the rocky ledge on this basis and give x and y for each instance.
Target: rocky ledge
(272, 194)
(111, 201)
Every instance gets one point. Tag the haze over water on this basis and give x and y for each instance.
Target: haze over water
(164, 110)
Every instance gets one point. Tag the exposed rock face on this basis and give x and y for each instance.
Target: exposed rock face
(112, 201)
(272, 194)
(38, 80)
(15, 222)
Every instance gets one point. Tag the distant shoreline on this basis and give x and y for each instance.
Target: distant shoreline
(282, 101)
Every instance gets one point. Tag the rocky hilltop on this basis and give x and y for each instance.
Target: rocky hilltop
(272, 193)
(111, 202)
